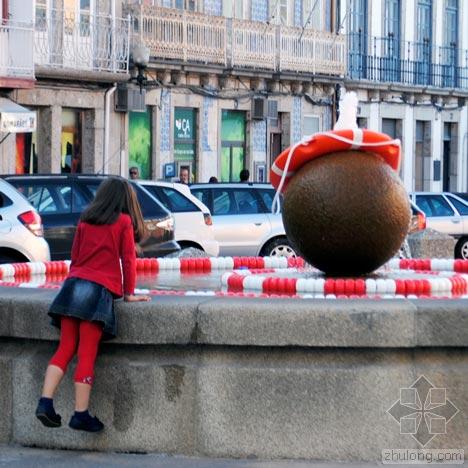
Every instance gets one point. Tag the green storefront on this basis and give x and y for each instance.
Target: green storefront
(139, 142)
(232, 145)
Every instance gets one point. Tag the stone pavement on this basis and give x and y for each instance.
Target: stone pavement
(23, 457)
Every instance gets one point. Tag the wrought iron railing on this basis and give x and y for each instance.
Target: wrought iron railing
(16, 50)
(181, 35)
(413, 63)
(85, 42)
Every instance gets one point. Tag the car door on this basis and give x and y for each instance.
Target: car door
(440, 215)
(53, 200)
(239, 221)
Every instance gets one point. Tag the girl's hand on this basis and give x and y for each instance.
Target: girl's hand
(136, 298)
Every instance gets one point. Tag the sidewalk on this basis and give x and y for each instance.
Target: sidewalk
(22, 457)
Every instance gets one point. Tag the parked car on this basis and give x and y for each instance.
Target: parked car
(462, 195)
(60, 199)
(193, 223)
(447, 213)
(242, 219)
(21, 230)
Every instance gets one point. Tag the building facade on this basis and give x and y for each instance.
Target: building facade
(231, 83)
(408, 62)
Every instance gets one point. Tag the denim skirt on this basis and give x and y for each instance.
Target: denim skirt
(85, 300)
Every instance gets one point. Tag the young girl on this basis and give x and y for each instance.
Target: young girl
(84, 307)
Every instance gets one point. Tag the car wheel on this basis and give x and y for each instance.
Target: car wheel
(461, 250)
(278, 248)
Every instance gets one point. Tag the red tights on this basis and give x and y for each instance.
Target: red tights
(85, 336)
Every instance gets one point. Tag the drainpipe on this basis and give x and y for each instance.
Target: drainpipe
(107, 96)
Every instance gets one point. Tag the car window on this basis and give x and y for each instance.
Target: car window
(434, 205)
(204, 196)
(150, 206)
(47, 198)
(460, 206)
(246, 201)
(172, 199)
(4, 201)
(223, 202)
(267, 196)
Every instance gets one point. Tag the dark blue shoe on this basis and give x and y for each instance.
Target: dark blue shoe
(86, 422)
(47, 415)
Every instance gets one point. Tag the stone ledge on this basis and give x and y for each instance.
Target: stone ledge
(257, 322)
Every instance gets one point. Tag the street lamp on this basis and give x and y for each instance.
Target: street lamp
(140, 56)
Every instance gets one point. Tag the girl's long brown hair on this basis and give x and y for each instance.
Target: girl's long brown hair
(114, 196)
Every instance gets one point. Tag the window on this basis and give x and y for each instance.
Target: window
(311, 125)
(233, 9)
(279, 12)
(267, 196)
(184, 4)
(451, 23)
(223, 202)
(204, 195)
(172, 199)
(150, 207)
(312, 14)
(434, 205)
(4, 201)
(422, 170)
(246, 202)
(48, 198)
(41, 15)
(460, 206)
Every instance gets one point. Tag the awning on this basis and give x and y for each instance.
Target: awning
(15, 118)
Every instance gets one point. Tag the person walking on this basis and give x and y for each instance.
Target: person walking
(84, 307)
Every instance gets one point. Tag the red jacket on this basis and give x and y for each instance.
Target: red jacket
(97, 251)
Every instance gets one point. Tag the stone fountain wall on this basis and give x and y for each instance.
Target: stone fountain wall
(223, 377)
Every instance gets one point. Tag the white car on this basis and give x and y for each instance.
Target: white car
(447, 213)
(242, 218)
(193, 223)
(21, 230)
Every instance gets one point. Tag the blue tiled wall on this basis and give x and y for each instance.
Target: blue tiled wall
(207, 104)
(296, 131)
(166, 120)
(259, 135)
(213, 7)
(298, 13)
(259, 10)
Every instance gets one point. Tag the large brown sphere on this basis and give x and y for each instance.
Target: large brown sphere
(346, 213)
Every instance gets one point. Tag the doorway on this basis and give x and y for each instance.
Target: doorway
(232, 145)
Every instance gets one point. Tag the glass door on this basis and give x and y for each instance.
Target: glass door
(232, 145)
(423, 45)
(358, 39)
(391, 41)
(449, 51)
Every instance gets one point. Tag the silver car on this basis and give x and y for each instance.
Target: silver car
(447, 213)
(242, 219)
(21, 231)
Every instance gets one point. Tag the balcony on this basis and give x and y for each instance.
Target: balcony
(194, 38)
(385, 59)
(90, 43)
(16, 56)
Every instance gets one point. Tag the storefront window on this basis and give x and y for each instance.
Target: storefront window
(26, 153)
(71, 141)
(139, 142)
